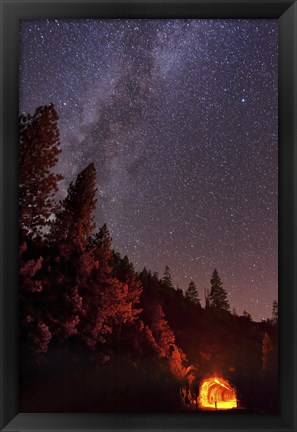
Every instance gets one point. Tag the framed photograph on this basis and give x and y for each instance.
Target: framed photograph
(148, 215)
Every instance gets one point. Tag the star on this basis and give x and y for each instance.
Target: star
(180, 120)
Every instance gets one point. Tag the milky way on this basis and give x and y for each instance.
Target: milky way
(180, 119)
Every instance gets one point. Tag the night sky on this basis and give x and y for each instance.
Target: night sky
(180, 119)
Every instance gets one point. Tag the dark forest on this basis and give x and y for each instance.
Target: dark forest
(98, 336)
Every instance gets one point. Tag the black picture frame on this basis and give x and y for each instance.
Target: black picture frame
(283, 10)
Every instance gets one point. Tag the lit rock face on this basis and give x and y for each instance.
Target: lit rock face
(216, 393)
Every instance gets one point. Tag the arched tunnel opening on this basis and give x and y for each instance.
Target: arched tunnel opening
(216, 393)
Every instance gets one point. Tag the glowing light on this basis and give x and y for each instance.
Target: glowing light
(216, 393)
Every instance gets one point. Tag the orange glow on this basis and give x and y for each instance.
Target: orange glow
(216, 393)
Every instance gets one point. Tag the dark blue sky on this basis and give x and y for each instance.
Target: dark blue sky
(180, 119)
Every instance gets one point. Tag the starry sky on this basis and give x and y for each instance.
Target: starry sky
(180, 118)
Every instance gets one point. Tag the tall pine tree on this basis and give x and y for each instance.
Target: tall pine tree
(167, 281)
(218, 297)
(38, 154)
(275, 312)
(192, 294)
(70, 264)
(75, 221)
(108, 302)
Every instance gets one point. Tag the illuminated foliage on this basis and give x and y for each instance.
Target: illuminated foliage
(83, 304)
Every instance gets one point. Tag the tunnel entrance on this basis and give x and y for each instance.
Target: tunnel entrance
(216, 393)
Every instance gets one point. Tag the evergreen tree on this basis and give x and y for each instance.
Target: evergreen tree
(165, 340)
(102, 242)
(35, 334)
(151, 292)
(109, 303)
(99, 293)
(75, 222)
(122, 267)
(247, 315)
(123, 270)
(69, 264)
(234, 312)
(38, 154)
(167, 281)
(192, 293)
(218, 297)
(275, 312)
(180, 293)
